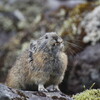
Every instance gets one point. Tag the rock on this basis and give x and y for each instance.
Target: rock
(7, 93)
(11, 49)
(86, 70)
(91, 25)
(54, 4)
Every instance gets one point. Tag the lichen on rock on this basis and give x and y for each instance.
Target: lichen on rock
(91, 25)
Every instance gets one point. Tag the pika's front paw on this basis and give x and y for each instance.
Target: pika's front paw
(41, 88)
(54, 89)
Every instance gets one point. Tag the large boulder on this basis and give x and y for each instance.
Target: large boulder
(86, 70)
(7, 93)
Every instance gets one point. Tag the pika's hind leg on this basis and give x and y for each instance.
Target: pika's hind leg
(13, 83)
(55, 82)
(54, 88)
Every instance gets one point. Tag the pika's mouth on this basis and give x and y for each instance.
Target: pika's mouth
(57, 43)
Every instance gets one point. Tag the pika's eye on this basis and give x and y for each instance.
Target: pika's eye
(46, 37)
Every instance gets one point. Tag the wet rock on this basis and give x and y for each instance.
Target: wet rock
(86, 70)
(7, 93)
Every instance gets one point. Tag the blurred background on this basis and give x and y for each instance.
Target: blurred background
(78, 23)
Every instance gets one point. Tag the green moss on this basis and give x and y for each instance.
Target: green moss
(92, 94)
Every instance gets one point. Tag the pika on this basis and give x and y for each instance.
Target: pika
(44, 63)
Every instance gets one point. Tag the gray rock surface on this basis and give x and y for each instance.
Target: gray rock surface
(7, 93)
(86, 70)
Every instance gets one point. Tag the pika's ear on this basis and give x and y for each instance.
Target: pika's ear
(33, 45)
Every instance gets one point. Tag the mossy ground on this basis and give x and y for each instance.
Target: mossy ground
(92, 94)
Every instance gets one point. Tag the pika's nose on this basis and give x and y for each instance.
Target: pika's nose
(59, 40)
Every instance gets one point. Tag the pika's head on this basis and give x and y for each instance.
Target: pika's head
(50, 41)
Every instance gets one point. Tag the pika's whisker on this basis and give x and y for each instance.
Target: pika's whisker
(77, 40)
(74, 45)
(71, 51)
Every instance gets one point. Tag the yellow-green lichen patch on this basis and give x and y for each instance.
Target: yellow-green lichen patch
(92, 94)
